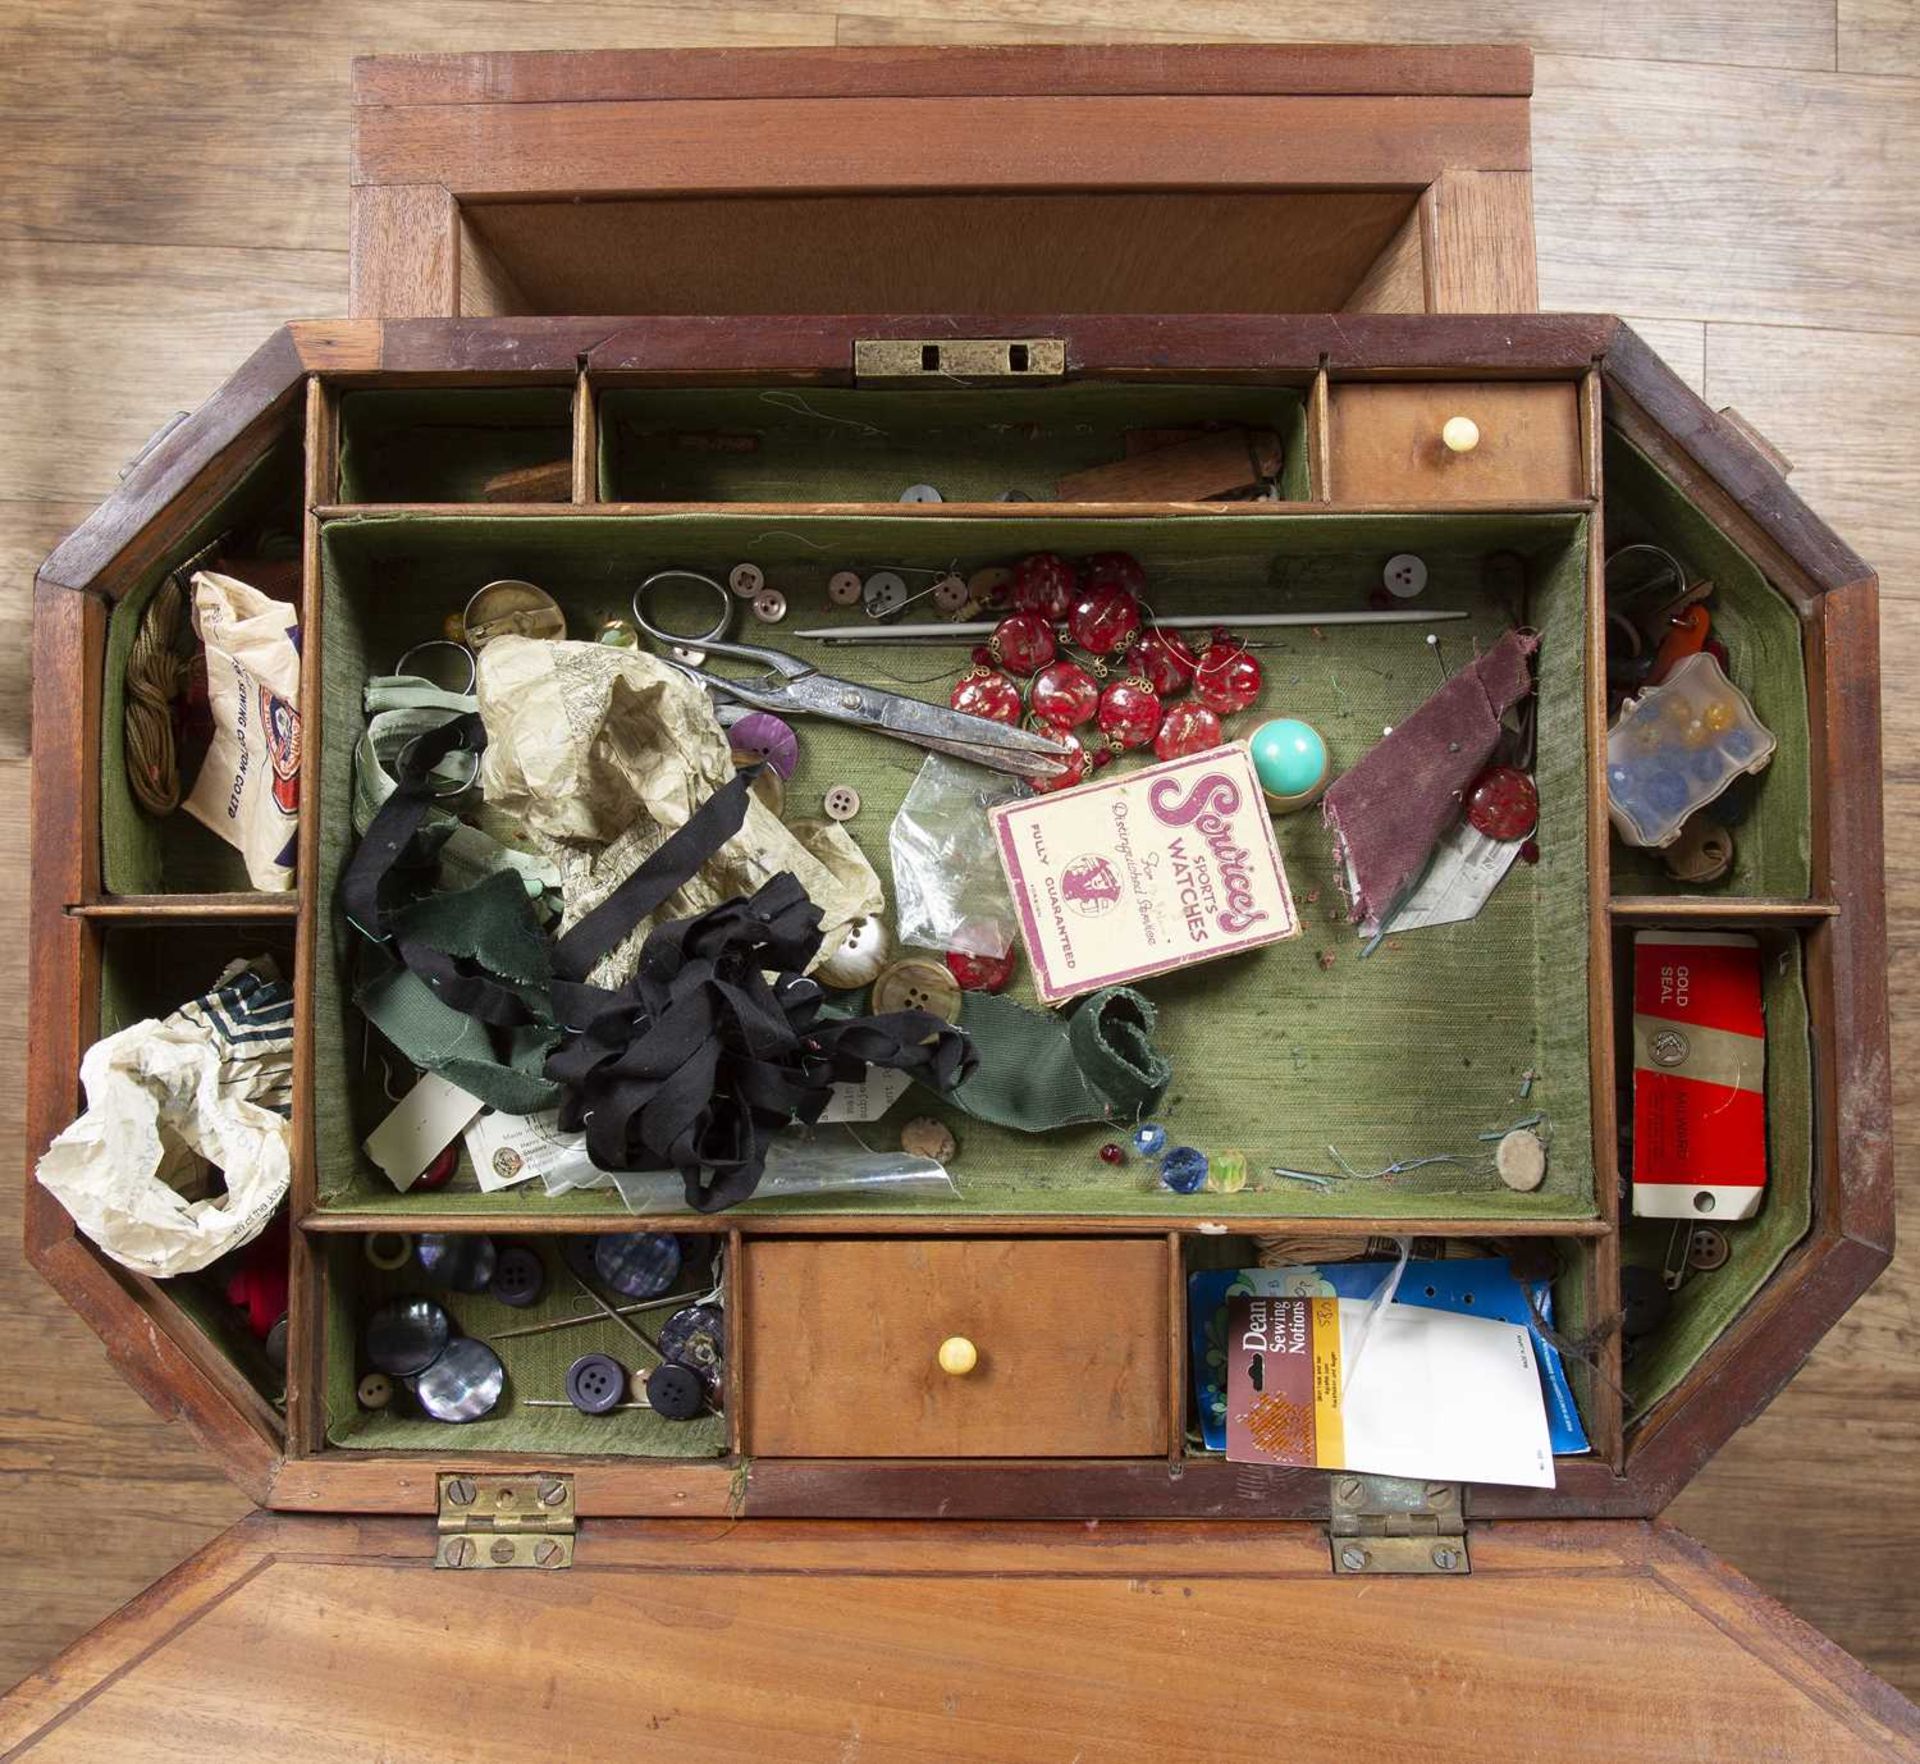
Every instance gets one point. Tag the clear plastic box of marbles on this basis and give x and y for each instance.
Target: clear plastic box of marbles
(1677, 747)
(579, 1342)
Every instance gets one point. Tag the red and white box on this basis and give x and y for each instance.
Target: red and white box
(1141, 874)
(1699, 1076)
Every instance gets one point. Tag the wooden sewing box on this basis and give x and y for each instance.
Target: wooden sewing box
(829, 275)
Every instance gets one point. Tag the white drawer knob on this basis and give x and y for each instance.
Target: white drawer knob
(958, 1356)
(1461, 434)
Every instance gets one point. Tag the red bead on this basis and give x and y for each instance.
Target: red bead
(1116, 569)
(1043, 583)
(1075, 772)
(1186, 728)
(982, 656)
(1064, 695)
(1104, 619)
(1530, 852)
(980, 973)
(1022, 643)
(1228, 679)
(985, 693)
(1129, 712)
(440, 1172)
(1503, 803)
(1101, 756)
(1111, 1153)
(1166, 659)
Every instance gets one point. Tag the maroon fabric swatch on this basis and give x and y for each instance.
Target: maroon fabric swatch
(1387, 812)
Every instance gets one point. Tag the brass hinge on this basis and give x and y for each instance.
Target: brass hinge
(505, 1521)
(979, 361)
(1389, 1525)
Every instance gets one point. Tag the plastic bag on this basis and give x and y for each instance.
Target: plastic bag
(949, 889)
(797, 1167)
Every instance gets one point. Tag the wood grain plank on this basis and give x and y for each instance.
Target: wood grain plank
(1727, 194)
(1784, 33)
(406, 257)
(694, 146)
(1878, 37)
(1479, 231)
(990, 1646)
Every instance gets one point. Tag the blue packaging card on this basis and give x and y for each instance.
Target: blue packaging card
(1473, 1285)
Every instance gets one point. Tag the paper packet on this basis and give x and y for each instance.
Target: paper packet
(248, 790)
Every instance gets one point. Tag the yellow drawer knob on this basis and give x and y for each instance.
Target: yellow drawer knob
(1461, 434)
(958, 1356)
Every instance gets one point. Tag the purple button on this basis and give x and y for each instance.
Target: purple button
(519, 1276)
(596, 1383)
(765, 737)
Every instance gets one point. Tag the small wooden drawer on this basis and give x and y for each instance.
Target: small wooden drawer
(842, 1343)
(1388, 442)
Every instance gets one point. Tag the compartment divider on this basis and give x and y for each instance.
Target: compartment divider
(1177, 1349)
(156, 909)
(306, 1343)
(1606, 1420)
(1656, 909)
(736, 1380)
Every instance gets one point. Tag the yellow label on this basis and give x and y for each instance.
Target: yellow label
(1329, 1433)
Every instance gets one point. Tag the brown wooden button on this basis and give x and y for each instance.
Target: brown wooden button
(917, 986)
(1707, 1249)
(1703, 852)
(842, 802)
(950, 594)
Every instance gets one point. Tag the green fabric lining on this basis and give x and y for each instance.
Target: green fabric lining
(1773, 844)
(173, 854)
(442, 444)
(843, 444)
(1707, 1303)
(1417, 1050)
(536, 1366)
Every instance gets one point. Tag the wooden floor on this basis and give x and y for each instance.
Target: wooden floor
(1735, 176)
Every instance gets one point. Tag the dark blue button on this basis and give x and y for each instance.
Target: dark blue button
(519, 1275)
(676, 1393)
(596, 1383)
(456, 1260)
(638, 1265)
(406, 1336)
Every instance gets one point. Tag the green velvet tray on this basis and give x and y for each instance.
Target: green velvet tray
(442, 444)
(1281, 1053)
(828, 444)
(1773, 838)
(536, 1366)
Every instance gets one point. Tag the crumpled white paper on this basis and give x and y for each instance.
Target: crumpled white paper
(601, 753)
(161, 1093)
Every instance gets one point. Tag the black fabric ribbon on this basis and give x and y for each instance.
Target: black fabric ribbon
(718, 1040)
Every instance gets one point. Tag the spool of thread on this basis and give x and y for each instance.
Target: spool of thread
(1290, 760)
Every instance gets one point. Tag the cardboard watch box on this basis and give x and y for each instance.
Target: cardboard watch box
(865, 1544)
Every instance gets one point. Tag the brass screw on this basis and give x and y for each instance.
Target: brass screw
(1445, 1557)
(1439, 1494)
(460, 1552)
(551, 1492)
(461, 1491)
(503, 1550)
(1347, 1490)
(547, 1552)
(1353, 1557)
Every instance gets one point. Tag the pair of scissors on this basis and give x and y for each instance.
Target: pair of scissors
(792, 687)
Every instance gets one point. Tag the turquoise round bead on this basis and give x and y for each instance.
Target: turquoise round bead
(1289, 757)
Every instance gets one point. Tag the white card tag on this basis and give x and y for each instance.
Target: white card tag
(428, 1119)
(511, 1149)
(1467, 867)
(868, 1098)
